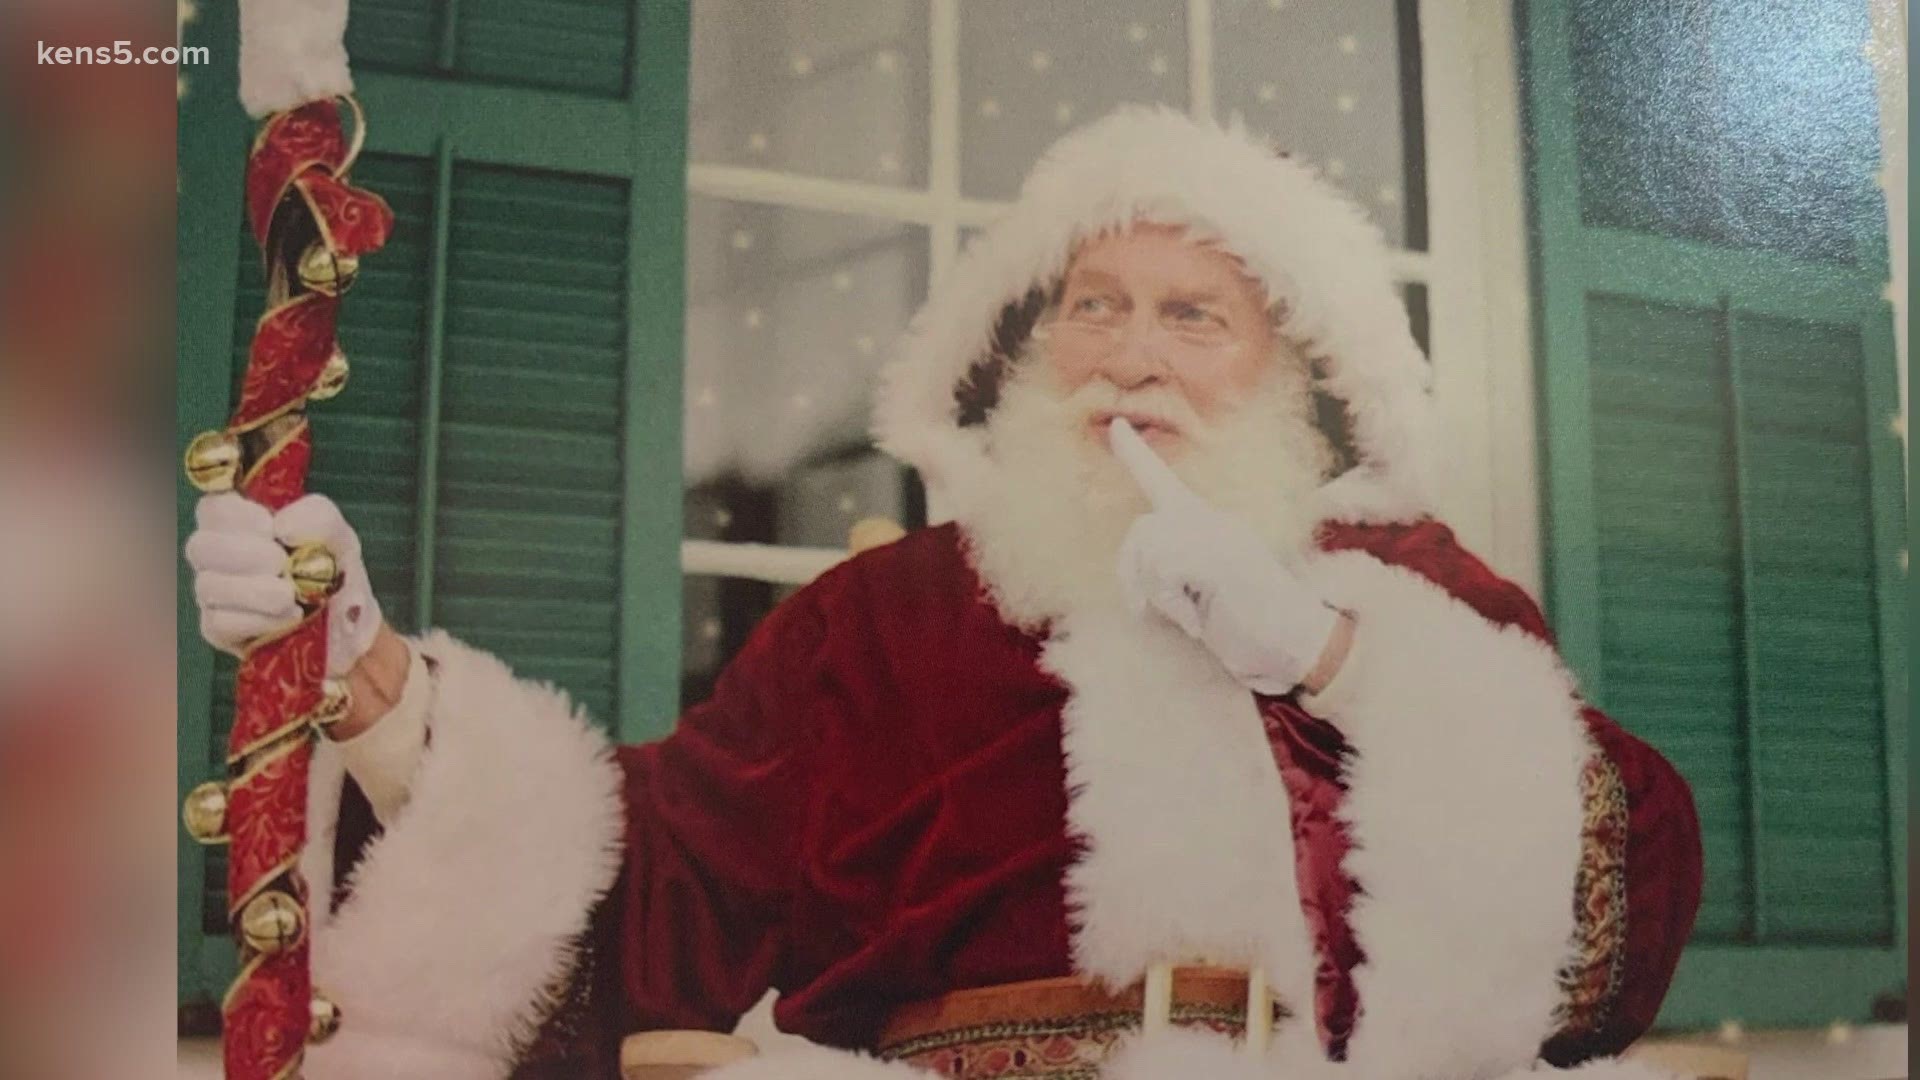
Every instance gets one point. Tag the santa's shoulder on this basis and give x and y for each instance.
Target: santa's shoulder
(923, 578)
(1428, 547)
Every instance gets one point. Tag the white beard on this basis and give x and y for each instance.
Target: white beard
(1046, 531)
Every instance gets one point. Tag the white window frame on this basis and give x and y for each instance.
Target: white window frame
(1888, 51)
(1474, 268)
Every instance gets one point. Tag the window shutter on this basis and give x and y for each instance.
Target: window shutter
(1724, 490)
(578, 45)
(527, 552)
(508, 446)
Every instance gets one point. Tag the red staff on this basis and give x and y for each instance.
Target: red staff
(312, 226)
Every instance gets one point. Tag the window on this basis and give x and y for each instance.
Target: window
(1724, 478)
(841, 152)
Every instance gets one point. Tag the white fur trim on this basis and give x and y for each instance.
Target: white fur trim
(464, 914)
(292, 52)
(1599, 1069)
(325, 778)
(1464, 807)
(815, 1063)
(1314, 249)
(1185, 820)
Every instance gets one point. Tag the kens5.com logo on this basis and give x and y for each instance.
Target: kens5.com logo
(122, 52)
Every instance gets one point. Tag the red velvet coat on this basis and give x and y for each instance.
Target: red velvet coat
(872, 810)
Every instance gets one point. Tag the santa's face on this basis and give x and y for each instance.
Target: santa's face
(1162, 318)
(1170, 334)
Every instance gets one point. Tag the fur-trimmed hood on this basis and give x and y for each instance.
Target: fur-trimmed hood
(1319, 257)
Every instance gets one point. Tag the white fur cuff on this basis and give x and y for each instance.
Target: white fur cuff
(463, 916)
(1464, 806)
(292, 52)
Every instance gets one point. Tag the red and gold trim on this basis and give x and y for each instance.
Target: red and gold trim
(295, 339)
(1590, 981)
(1056, 1029)
(264, 452)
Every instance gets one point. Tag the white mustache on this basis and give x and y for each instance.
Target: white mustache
(1162, 405)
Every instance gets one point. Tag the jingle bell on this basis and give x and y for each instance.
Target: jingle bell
(335, 702)
(213, 461)
(332, 380)
(324, 272)
(323, 1019)
(205, 813)
(272, 922)
(313, 570)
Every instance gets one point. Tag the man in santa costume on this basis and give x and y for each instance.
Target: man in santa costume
(1188, 680)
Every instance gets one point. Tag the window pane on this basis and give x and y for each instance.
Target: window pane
(1029, 71)
(1339, 86)
(1729, 121)
(814, 506)
(789, 316)
(829, 88)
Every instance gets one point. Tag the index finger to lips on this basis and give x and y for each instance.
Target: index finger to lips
(1162, 487)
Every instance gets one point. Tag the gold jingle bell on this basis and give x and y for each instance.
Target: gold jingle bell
(324, 272)
(272, 922)
(335, 702)
(332, 380)
(213, 461)
(205, 813)
(323, 1019)
(313, 570)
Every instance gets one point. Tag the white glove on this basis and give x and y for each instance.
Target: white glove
(1209, 574)
(238, 552)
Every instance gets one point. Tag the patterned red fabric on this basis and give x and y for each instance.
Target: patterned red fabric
(1309, 752)
(353, 220)
(871, 810)
(289, 144)
(290, 347)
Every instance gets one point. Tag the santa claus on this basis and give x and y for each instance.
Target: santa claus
(1190, 683)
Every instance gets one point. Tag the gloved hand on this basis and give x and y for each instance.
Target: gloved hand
(238, 552)
(1209, 574)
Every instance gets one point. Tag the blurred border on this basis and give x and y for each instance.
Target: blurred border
(87, 471)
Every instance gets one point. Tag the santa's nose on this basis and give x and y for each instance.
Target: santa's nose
(1135, 362)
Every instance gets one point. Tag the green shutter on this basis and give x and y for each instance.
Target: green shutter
(508, 446)
(1724, 492)
(527, 557)
(577, 45)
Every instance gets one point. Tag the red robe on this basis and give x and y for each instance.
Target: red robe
(873, 809)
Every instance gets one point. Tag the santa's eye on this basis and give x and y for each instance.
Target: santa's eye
(1193, 315)
(1092, 305)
